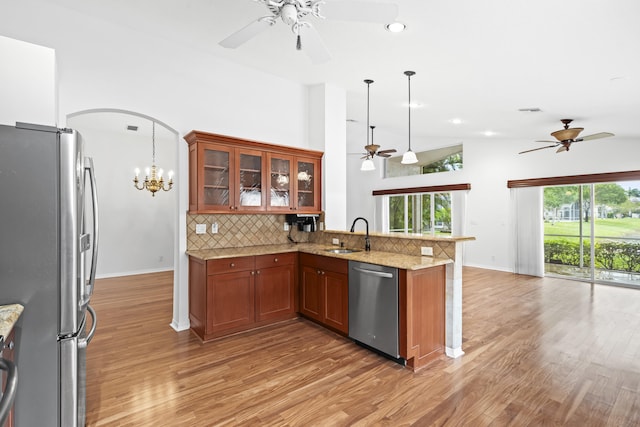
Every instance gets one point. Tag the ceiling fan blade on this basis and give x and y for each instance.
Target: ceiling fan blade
(383, 154)
(546, 140)
(245, 34)
(563, 148)
(539, 148)
(313, 45)
(391, 150)
(360, 11)
(595, 136)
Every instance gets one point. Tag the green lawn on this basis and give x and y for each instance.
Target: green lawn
(609, 227)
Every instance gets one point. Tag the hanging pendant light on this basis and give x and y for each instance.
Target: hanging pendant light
(153, 181)
(409, 157)
(367, 164)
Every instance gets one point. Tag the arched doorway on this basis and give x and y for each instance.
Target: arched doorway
(139, 233)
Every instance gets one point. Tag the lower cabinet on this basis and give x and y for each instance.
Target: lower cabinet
(234, 294)
(324, 291)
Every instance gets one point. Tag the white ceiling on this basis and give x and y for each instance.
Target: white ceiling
(479, 61)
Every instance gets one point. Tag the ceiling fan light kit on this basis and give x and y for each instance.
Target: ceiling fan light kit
(367, 165)
(567, 136)
(409, 157)
(294, 12)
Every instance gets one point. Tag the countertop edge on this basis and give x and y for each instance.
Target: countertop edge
(389, 259)
(9, 315)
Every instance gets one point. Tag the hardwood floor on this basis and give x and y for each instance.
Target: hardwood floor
(539, 352)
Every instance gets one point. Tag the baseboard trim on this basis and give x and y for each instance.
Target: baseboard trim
(454, 353)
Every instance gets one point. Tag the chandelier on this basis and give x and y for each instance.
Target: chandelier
(153, 180)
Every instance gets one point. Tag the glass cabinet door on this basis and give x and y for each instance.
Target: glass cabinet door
(280, 191)
(250, 192)
(216, 180)
(308, 184)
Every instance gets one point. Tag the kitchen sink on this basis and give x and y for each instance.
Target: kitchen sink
(342, 250)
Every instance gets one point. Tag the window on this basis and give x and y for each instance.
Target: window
(431, 161)
(422, 210)
(418, 213)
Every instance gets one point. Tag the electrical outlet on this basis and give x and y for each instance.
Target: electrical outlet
(426, 251)
(201, 228)
(214, 228)
(335, 241)
(286, 226)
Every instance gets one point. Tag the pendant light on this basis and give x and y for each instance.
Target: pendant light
(409, 157)
(367, 164)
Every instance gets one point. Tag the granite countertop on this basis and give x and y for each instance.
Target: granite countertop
(9, 315)
(406, 262)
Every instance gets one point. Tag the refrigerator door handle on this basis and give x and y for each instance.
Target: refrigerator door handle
(9, 393)
(84, 342)
(94, 199)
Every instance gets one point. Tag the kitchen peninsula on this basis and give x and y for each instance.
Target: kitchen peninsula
(426, 288)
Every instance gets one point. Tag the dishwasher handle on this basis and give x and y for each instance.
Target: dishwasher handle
(374, 273)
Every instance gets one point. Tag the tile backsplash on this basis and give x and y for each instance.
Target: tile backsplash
(404, 245)
(236, 231)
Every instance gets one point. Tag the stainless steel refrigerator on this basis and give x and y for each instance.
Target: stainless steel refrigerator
(48, 254)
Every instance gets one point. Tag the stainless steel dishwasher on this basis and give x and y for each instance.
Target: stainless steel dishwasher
(373, 307)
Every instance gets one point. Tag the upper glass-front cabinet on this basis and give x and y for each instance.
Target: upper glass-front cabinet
(294, 184)
(228, 175)
(250, 194)
(308, 185)
(217, 188)
(281, 186)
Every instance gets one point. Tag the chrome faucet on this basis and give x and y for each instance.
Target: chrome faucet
(367, 242)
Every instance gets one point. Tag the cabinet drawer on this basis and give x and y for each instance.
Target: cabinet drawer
(227, 265)
(274, 260)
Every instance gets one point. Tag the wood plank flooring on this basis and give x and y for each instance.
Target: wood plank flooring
(539, 352)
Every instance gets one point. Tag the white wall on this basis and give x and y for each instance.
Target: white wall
(28, 85)
(137, 231)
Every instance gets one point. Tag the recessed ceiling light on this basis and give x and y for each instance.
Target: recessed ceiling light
(396, 27)
(530, 110)
(132, 128)
(456, 121)
(489, 133)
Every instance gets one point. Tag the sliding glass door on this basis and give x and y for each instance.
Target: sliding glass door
(592, 232)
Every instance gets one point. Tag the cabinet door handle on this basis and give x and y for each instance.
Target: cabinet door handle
(252, 273)
(318, 272)
(231, 265)
(258, 272)
(275, 260)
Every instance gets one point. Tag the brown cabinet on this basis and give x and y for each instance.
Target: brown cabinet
(230, 179)
(422, 315)
(294, 184)
(229, 175)
(324, 291)
(234, 294)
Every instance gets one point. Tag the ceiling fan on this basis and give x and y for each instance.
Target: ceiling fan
(567, 136)
(294, 12)
(373, 149)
